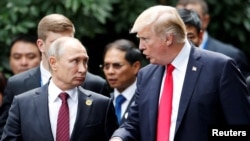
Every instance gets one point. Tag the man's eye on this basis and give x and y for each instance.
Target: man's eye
(31, 56)
(16, 56)
(76, 61)
(117, 65)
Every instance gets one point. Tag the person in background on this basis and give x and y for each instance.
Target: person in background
(193, 25)
(3, 81)
(210, 43)
(122, 61)
(184, 92)
(24, 53)
(49, 28)
(36, 115)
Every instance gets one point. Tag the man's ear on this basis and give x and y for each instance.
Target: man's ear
(41, 45)
(206, 20)
(200, 35)
(169, 39)
(52, 63)
(136, 65)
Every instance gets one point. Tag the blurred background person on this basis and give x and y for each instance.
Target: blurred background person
(3, 81)
(210, 43)
(193, 25)
(122, 61)
(24, 53)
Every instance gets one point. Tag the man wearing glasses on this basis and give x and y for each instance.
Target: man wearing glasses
(122, 61)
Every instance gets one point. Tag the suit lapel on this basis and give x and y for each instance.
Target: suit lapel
(192, 74)
(153, 97)
(84, 107)
(125, 115)
(41, 104)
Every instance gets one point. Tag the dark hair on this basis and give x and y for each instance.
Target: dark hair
(190, 17)
(3, 81)
(25, 38)
(132, 55)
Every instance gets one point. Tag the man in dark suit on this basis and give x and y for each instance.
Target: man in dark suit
(193, 25)
(205, 89)
(210, 43)
(49, 28)
(121, 63)
(34, 115)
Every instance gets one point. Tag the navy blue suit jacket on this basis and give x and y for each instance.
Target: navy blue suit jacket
(29, 117)
(231, 51)
(214, 93)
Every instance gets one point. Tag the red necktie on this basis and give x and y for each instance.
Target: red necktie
(165, 107)
(62, 132)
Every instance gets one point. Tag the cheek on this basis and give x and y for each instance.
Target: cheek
(124, 74)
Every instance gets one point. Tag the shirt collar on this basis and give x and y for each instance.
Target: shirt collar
(128, 93)
(182, 58)
(54, 92)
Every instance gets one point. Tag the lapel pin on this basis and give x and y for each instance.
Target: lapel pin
(126, 115)
(88, 102)
(194, 68)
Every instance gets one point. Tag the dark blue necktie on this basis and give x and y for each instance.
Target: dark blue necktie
(118, 102)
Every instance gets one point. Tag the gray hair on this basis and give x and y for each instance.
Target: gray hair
(57, 48)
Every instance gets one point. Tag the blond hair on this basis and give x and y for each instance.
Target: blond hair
(56, 23)
(161, 20)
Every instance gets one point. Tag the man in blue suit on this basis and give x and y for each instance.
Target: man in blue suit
(208, 89)
(35, 114)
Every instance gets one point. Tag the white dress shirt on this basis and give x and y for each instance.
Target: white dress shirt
(55, 103)
(128, 94)
(180, 64)
(45, 74)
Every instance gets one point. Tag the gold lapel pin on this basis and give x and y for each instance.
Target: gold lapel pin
(88, 102)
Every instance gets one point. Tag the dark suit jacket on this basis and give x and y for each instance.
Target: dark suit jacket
(31, 79)
(248, 82)
(214, 92)
(231, 51)
(29, 117)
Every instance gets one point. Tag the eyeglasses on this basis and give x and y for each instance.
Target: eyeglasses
(115, 66)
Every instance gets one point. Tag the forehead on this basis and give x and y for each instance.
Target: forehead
(145, 32)
(195, 7)
(74, 50)
(114, 54)
(192, 29)
(22, 46)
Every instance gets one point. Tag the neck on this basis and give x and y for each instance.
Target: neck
(45, 63)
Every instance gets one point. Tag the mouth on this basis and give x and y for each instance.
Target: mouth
(147, 57)
(111, 81)
(80, 78)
